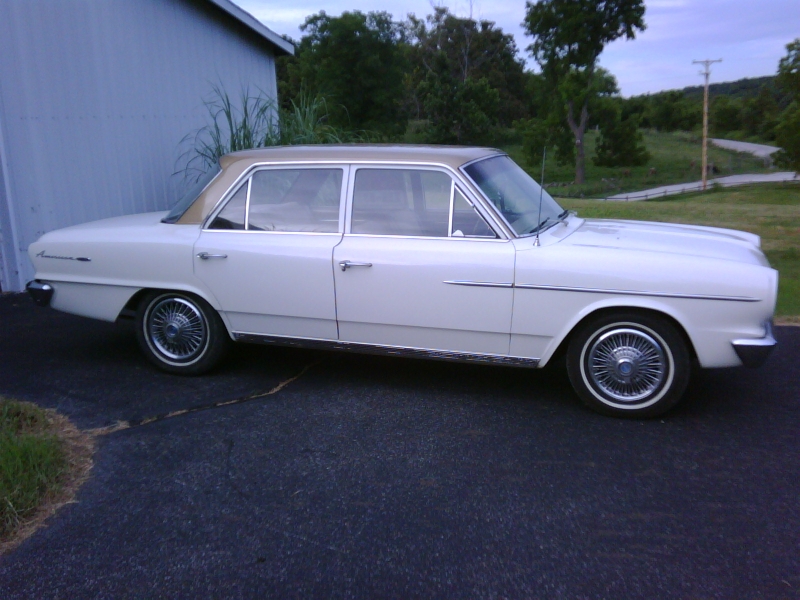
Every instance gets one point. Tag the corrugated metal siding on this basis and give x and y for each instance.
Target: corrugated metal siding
(95, 97)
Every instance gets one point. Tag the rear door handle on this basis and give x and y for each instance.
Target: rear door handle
(206, 255)
(346, 263)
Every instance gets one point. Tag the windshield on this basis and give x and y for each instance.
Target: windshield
(190, 196)
(514, 194)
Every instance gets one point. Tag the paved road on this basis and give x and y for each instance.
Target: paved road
(371, 477)
(761, 150)
(694, 186)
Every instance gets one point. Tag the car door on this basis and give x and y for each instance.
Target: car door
(419, 268)
(266, 252)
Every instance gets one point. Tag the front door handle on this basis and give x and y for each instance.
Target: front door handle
(206, 255)
(346, 263)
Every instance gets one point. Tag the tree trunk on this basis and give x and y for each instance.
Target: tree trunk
(578, 130)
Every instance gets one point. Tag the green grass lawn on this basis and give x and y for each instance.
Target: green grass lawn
(672, 156)
(771, 211)
(32, 462)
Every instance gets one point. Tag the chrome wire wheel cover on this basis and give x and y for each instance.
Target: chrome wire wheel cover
(627, 365)
(177, 329)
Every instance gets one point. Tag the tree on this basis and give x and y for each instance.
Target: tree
(462, 72)
(789, 70)
(354, 61)
(569, 36)
(787, 132)
(551, 129)
(621, 144)
(726, 115)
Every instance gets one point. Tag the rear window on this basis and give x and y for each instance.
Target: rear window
(191, 195)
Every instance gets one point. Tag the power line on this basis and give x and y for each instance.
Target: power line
(707, 63)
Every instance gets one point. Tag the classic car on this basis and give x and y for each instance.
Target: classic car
(437, 252)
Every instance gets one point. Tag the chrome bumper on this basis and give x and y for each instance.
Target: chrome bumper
(40, 292)
(754, 352)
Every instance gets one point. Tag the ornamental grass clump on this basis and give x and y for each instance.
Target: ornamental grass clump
(256, 121)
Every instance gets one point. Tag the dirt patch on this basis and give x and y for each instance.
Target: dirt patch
(784, 321)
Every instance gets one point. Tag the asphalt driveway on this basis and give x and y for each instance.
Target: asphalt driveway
(368, 477)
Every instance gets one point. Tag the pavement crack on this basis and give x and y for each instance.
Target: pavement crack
(120, 425)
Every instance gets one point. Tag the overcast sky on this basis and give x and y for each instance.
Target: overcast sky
(749, 35)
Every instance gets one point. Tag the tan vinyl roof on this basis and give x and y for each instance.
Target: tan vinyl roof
(236, 163)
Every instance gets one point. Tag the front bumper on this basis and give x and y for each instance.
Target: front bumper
(754, 352)
(40, 292)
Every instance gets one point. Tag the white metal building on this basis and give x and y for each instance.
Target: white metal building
(95, 98)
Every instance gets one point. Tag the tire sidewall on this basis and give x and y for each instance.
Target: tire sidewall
(676, 357)
(213, 347)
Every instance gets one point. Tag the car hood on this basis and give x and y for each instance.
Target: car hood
(686, 240)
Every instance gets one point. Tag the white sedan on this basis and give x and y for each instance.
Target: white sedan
(434, 252)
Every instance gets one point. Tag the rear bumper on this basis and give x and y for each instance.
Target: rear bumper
(753, 352)
(40, 292)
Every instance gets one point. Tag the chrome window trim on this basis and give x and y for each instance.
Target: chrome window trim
(247, 205)
(562, 288)
(251, 170)
(383, 350)
(257, 232)
(426, 237)
(457, 178)
(450, 213)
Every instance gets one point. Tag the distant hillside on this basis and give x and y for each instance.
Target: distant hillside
(735, 90)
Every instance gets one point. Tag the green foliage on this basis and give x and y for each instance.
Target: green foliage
(787, 136)
(665, 111)
(726, 115)
(568, 37)
(759, 115)
(789, 70)
(621, 143)
(255, 121)
(357, 61)
(787, 129)
(675, 159)
(31, 462)
(455, 49)
(459, 112)
(449, 73)
(741, 89)
(463, 71)
(571, 34)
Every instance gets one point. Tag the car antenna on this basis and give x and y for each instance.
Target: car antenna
(541, 192)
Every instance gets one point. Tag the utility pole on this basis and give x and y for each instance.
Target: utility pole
(707, 63)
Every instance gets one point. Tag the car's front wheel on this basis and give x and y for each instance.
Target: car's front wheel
(629, 364)
(180, 333)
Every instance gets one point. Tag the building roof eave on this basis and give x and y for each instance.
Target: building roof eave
(250, 21)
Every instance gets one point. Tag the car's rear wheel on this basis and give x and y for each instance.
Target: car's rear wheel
(180, 333)
(629, 364)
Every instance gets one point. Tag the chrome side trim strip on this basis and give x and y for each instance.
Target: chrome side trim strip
(362, 348)
(481, 284)
(561, 288)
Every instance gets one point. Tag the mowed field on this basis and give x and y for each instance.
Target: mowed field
(770, 211)
(675, 158)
